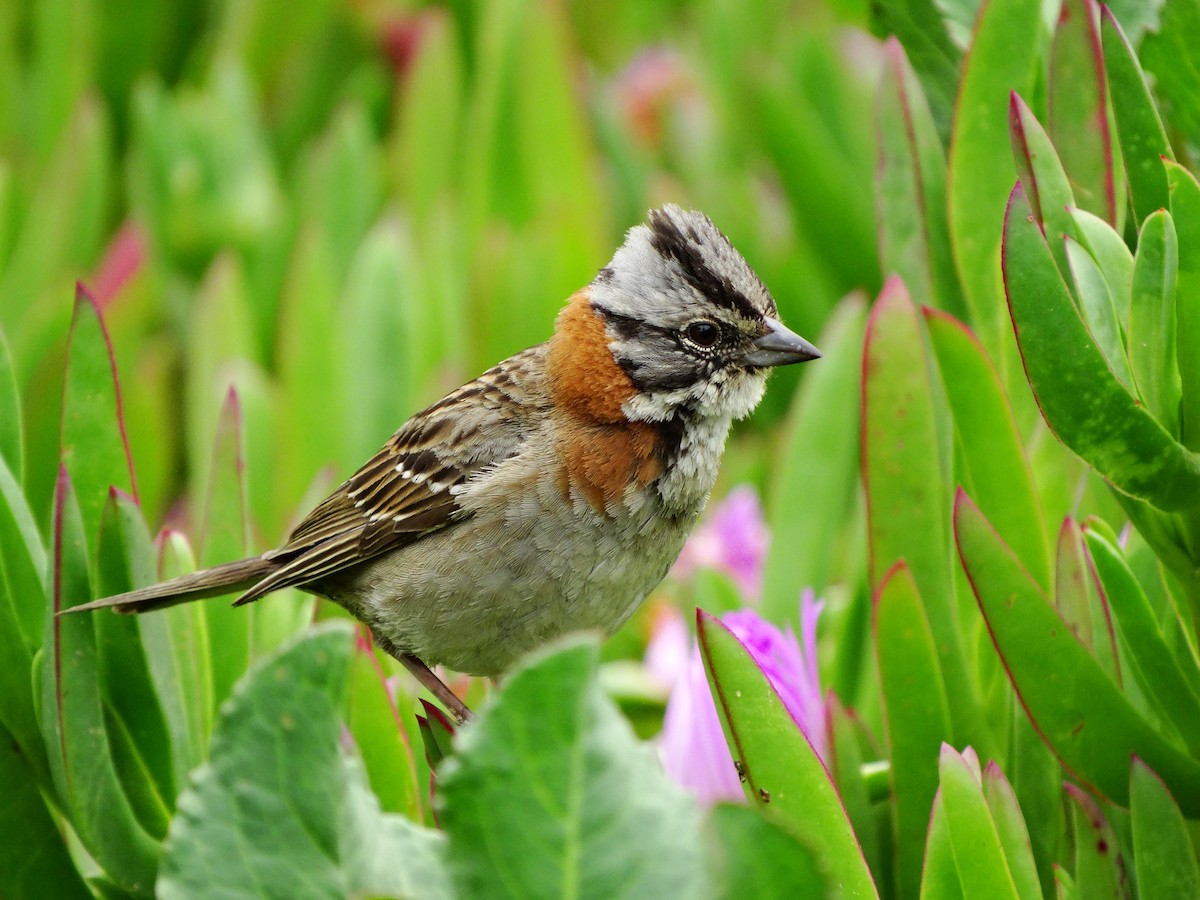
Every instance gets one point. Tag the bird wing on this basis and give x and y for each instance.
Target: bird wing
(407, 489)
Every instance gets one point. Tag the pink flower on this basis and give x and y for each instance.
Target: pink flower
(692, 744)
(733, 539)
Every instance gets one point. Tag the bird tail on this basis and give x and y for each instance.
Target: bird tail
(229, 578)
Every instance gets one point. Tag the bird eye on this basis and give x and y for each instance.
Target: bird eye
(703, 334)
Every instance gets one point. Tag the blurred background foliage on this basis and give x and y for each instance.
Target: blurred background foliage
(347, 208)
(299, 223)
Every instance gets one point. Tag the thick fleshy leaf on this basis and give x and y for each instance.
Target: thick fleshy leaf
(73, 716)
(22, 616)
(180, 662)
(1010, 828)
(905, 456)
(997, 469)
(1143, 140)
(1159, 671)
(1078, 105)
(1037, 781)
(1112, 255)
(921, 28)
(847, 755)
(781, 771)
(939, 873)
(139, 737)
(34, 861)
(916, 714)
(280, 804)
(226, 535)
(1081, 400)
(751, 856)
(1163, 854)
(94, 448)
(820, 434)
(1185, 213)
(910, 188)
(978, 853)
(597, 816)
(374, 723)
(1098, 309)
(1042, 173)
(1000, 61)
(1080, 599)
(1152, 320)
(1076, 707)
(1099, 869)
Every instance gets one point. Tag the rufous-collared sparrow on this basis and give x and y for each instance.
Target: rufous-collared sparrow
(554, 491)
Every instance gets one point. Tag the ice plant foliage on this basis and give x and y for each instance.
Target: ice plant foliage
(733, 539)
(694, 752)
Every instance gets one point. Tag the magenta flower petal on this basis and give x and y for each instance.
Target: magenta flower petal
(692, 744)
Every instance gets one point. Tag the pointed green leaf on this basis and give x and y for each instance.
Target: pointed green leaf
(22, 614)
(1078, 104)
(905, 455)
(921, 28)
(1111, 254)
(73, 716)
(1000, 61)
(180, 662)
(915, 712)
(1158, 670)
(819, 432)
(1080, 398)
(1042, 173)
(94, 448)
(1152, 312)
(226, 536)
(1010, 827)
(997, 468)
(782, 772)
(598, 817)
(1185, 213)
(1075, 706)
(133, 711)
(1163, 854)
(374, 722)
(910, 188)
(1080, 599)
(1143, 140)
(978, 853)
(1097, 307)
(939, 874)
(1099, 869)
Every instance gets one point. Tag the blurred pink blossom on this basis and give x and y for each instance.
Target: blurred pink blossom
(732, 539)
(692, 744)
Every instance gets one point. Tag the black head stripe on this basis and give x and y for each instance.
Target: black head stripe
(671, 242)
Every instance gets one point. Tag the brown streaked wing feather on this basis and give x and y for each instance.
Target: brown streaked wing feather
(404, 491)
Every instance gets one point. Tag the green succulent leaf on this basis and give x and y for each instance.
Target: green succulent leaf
(1081, 400)
(1152, 320)
(978, 852)
(1076, 707)
(782, 773)
(1164, 857)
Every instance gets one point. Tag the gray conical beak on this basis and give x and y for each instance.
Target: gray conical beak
(779, 347)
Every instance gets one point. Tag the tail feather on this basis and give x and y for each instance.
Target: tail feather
(229, 578)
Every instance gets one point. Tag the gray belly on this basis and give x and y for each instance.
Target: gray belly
(478, 595)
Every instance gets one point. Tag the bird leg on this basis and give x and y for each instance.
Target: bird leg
(436, 686)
